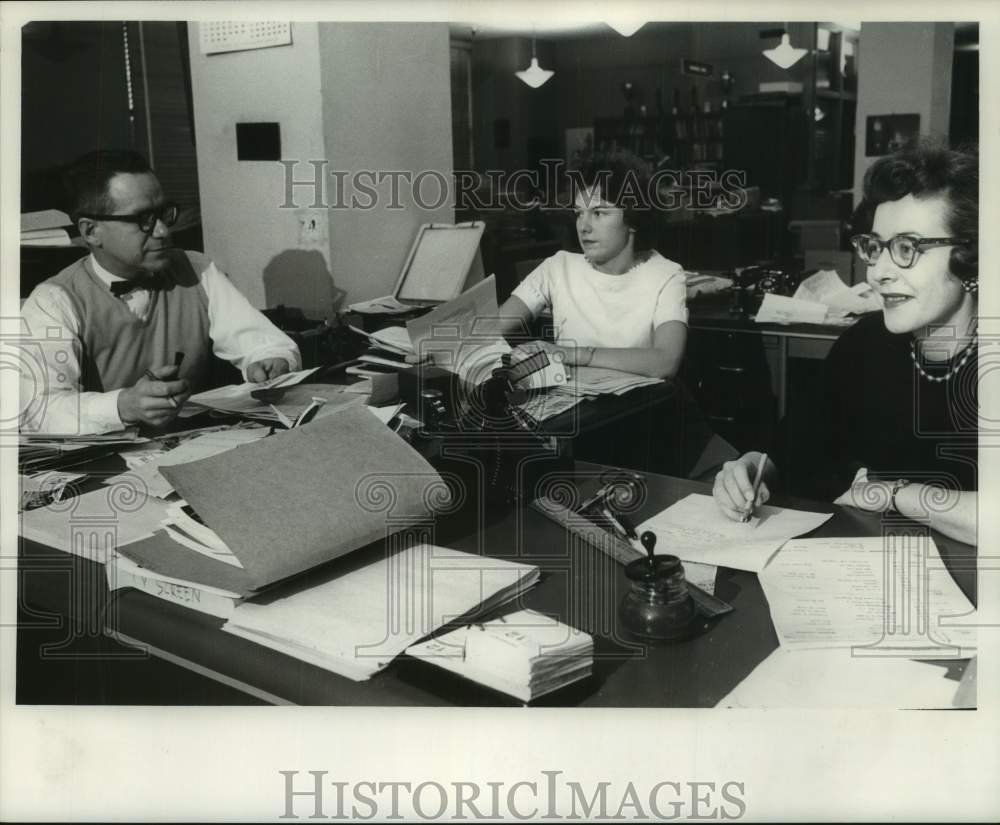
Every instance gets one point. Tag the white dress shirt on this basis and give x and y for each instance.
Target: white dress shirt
(51, 400)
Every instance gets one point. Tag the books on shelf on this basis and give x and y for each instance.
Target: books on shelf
(45, 228)
(524, 654)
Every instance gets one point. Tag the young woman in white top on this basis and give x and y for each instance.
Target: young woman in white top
(619, 304)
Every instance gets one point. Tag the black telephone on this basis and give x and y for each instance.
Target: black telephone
(495, 445)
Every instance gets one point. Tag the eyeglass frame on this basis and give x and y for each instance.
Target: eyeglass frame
(158, 214)
(918, 242)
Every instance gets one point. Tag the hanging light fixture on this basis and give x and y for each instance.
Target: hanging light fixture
(626, 27)
(534, 75)
(784, 54)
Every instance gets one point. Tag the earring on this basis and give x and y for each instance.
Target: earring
(971, 285)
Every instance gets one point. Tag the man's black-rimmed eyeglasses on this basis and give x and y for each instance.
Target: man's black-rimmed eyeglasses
(145, 220)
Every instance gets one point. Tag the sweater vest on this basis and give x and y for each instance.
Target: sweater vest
(118, 347)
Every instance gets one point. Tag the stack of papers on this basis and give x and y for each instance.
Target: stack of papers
(583, 383)
(201, 446)
(390, 339)
(46, 228)
(890, 595)
(48, 452)
(696, 530)
(524, 654)
(236, 399)
(826, 287)
(358, 621)
(92, 525)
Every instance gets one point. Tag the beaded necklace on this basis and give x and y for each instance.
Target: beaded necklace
(959, 360)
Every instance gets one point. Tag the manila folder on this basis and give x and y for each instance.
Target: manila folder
(297, 499)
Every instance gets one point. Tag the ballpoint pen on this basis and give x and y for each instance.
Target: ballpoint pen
(756, 488)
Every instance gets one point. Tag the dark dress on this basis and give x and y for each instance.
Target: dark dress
(879, 412)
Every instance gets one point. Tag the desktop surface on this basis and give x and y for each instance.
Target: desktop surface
(579, 585)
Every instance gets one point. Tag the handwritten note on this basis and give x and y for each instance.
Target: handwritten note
(695, 529)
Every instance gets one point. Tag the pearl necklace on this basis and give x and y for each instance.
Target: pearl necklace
(966, 352)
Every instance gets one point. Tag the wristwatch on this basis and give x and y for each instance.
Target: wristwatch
(897, 485)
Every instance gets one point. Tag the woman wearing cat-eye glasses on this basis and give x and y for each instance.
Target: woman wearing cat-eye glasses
(897, 429)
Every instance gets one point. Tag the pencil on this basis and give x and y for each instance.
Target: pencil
(173, 403)
(756, 486)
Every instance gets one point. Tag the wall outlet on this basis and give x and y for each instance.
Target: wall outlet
(312, 226)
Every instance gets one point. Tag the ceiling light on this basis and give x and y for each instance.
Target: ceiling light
(784, 55)
(626, 28)
(534, 75)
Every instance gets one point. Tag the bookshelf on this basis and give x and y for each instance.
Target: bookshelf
(695, 139)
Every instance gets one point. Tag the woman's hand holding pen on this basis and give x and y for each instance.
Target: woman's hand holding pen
(154, 399)
(733, 490)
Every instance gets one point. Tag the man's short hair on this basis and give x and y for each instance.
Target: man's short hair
(87, 179)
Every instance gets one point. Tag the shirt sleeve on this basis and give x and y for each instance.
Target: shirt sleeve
(535, 291)
(671, 301)
(241, 334)
(51, 398)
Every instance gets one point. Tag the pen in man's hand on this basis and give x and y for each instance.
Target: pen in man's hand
(756, 487)
(149, 374)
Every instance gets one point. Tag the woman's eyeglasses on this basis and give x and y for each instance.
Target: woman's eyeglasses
(903, 249)
(145, 220)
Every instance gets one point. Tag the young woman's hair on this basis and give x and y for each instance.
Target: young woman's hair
(87, 179)
(929, 169)
(623, 180)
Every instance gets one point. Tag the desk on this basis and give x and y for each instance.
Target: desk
(785, 341)
(579, 585)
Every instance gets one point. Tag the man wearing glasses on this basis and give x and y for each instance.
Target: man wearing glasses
(105, 331)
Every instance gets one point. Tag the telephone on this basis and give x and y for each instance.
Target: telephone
(494, 445)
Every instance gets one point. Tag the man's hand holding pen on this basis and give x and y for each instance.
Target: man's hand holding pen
(740, 486)
(156, 398)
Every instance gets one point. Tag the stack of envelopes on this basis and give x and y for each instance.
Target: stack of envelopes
(523, 654)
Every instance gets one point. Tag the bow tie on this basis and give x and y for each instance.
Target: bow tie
(121, 288)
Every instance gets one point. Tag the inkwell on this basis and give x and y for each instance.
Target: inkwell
(658, 606)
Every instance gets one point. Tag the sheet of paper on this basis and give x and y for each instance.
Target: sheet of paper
(44, 488)
(826, 287)
(601, 381)
(93, 524)
(386, 305)
(46, 219)
(193, 449)
(236, 397)
(695, 529)
(835, 678)
(386, 413)
(358, 621)
(891, 592)
(549, 404)
(445, 326)
(702, 575)
(779, 309)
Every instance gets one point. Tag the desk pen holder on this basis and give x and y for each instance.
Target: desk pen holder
(658, 606)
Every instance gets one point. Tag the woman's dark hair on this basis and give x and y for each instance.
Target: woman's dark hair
(624, 180)
(88, 176)
(928, 169)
